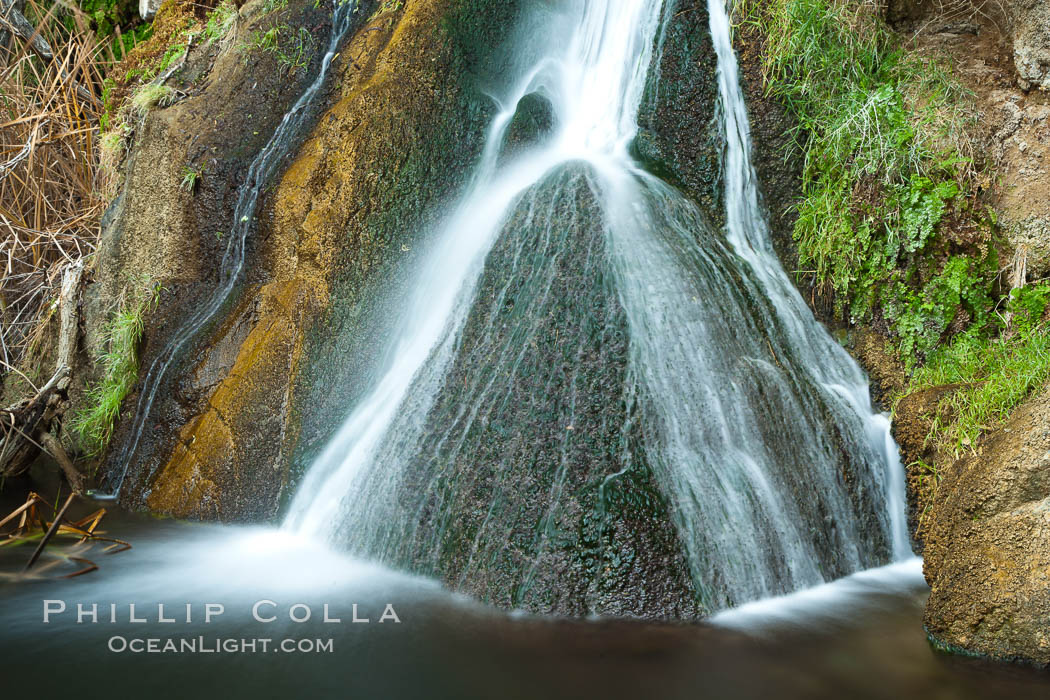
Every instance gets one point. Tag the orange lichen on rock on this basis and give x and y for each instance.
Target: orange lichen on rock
(213, 450)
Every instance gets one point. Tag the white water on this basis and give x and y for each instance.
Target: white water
(595, 82)
(748, 402)
(748, 232)
(829, 604)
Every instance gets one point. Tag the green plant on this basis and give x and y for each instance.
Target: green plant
(168, 58)
(151, 95)
(119, 362)
(921, 317)
(220, 20)
(115, 21)
(992, 371)
(191, 177)
(292, 52)
(1027, 307)
(112, 143)
(879, 175)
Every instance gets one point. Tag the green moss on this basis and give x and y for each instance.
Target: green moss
(119, 361)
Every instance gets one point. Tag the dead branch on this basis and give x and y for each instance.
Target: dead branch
(73, 475)
(28, 425)
(50, 533)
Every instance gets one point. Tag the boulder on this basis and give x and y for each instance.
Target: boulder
(987, 556)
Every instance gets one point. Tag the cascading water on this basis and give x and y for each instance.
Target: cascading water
(579, 326)
(265, 164)
(747, 230)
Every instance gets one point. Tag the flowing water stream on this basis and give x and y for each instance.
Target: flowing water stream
(755, 424)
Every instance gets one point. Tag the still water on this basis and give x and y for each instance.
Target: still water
(860, 637)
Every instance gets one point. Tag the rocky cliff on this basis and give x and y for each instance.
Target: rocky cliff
(988, 547)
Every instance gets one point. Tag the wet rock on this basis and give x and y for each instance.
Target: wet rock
(529, 505)
(679, 137)
(533, 121)
(987, 556)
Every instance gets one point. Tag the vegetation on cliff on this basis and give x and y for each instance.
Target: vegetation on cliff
(119, 361)
(892, 223)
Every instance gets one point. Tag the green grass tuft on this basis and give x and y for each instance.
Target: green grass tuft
(120, 365)
(149, 96)
(291, 48)
(220, 20)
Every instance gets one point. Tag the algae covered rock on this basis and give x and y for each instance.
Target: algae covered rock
(540, 496)
(229, 102)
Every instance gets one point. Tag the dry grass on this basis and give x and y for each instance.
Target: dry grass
(948, 12)
(50, 189)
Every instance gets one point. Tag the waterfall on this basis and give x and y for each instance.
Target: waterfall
(579, 324)
(265, 164)
(747, 230)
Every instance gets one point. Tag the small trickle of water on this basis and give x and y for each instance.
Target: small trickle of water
(262, 168)
(757, 426)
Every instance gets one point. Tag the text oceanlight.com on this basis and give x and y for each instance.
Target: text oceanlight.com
(204, 645)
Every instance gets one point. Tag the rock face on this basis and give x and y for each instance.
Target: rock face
(405, 114)
(987, 556)
(174, 238)
(1031, 33)
(1021, 145)
(1026, 21)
